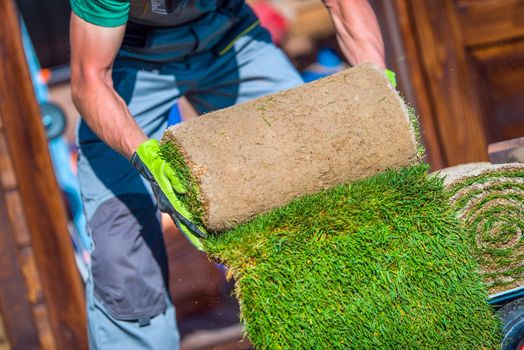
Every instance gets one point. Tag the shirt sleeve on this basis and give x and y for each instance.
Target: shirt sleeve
(104, 13)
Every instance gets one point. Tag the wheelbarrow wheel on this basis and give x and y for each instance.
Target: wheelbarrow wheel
(512, 317)
(54, 119)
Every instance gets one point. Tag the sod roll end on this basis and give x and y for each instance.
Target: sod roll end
(259, 155)
(489, 200)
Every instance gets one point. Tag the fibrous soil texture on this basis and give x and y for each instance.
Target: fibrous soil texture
(381, 263)
(490, 203)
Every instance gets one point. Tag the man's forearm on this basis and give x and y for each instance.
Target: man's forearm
(93, 50)
(107, 115)
(358, 32)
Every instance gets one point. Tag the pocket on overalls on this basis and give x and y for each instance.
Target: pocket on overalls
(129, 262)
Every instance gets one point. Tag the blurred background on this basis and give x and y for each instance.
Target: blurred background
(459, 63)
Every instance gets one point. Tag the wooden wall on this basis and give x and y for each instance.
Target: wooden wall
(461, 64)
(41, 295)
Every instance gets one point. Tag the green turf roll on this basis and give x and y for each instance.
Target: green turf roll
(377, 264)
(259, 155)
(490, 202)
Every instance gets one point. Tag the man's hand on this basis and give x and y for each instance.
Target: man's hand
(358, 32)
(167, 188)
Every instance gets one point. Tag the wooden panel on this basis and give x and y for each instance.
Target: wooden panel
(500, 73)
(397, 28)
(7, 174)
(45, 333)
(465, 64)
(486, 22)
(32, 279)
(508, 55)
(39, 192)
(507, 151)
(17, 218)
(4, 345)
(14, 307)
(450, 87)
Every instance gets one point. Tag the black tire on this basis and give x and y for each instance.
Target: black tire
(512, 317)
(54, 120)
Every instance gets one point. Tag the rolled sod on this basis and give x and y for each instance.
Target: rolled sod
(245, 160)
(378, 264)
(490, 202)
(331, 248)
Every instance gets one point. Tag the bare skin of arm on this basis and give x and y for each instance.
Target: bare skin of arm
(358, 32)
(93, 50)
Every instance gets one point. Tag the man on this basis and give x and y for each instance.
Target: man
(131, 61)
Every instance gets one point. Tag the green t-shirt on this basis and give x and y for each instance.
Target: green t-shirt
(104, 13)
(156, 13)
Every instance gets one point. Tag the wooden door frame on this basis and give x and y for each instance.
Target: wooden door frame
(42, 296)
(427, 51)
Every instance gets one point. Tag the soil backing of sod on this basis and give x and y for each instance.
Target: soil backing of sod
(381, 263)
(489, 200)
(258, 155)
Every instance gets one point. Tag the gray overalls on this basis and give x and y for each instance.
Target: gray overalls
(216, 55)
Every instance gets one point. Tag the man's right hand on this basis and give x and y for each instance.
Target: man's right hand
(167, 189)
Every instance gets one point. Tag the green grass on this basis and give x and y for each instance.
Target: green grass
(191, 199)
(413, 119)
(378, 264)
(492, 212)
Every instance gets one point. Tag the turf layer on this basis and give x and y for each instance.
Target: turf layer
(490, 204)
(378, 264)
(191, 200)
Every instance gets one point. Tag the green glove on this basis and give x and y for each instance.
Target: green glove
(391, 77)
(166, 186)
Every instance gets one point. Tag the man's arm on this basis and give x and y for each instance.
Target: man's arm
(358, 32)
(93, 50)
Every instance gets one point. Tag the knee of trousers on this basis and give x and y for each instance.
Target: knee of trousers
(129, 262)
